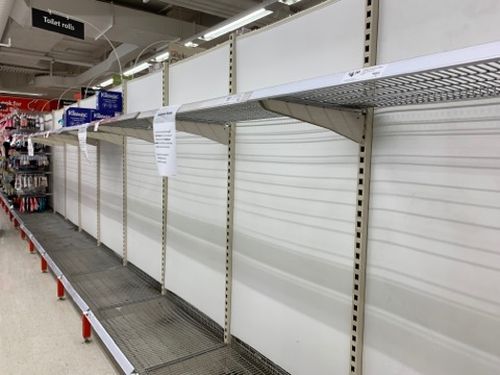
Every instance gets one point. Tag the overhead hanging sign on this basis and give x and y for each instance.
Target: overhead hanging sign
(165, 140)
(52, 22)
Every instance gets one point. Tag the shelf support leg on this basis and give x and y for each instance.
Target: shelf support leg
(65, 160)
(98, 193)
(124, 203)
(43, 264)
(231, 158)
(79, 188)
(31, 247)
(164, 189)
(363, 204)
(60, 289)
(86, 328)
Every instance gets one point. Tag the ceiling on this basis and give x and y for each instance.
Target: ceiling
(52, 64)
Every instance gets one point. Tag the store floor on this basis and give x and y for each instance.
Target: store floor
(39, 334)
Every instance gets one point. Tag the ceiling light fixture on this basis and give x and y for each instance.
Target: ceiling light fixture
(106, 83)
(191, 44)
(162, 57)
(236, 24)
(136, 69)
(21, 93)
(289, 2)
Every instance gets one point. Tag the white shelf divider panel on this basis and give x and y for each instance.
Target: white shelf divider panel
(144, 212)
(326, 39)
(414, 25)
(72, 183)
(58, 178)
(144, 186)
(89, 186)
(294, 234)
(433, 288)
(197, 224)
(111, 197)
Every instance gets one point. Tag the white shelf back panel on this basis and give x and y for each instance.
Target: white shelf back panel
(89, 191)
(112, 197)
(293, 244)
(145, 93)
(196, 235)
(324, 40)
(58, 178)
(144, 208)
(89, 102)
(200, 77)
(72, 183)
(433, 289)
(427, 26)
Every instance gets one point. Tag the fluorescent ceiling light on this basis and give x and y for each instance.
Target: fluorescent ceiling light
(191, 44)
(96, 87)
(106, 83)
(245, 20)
(162, 57)
(20, 93)
(136, 69)
(289, 2)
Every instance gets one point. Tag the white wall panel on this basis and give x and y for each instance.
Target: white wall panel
(293, 243)
(409, 28)
(196, 236)
(144, 186)
(200, 77)
(144, 208)
(145, 93)
(58, 178)
(112, 197)
(433, 259)
(89, 191)
(72, 183)
(324, 40)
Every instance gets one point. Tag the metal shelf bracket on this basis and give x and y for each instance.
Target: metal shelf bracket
(348, 123)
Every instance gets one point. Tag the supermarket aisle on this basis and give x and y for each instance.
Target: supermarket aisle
(39, 334)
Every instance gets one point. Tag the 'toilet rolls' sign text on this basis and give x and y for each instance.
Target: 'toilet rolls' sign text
(52, 22)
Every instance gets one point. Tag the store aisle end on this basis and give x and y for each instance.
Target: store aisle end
(38, 333)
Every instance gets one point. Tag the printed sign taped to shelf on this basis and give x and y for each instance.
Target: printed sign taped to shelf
(31, 149)
(165, 140)
(363, 74)
(82, 140)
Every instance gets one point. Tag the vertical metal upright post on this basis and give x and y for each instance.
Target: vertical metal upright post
(65, 159)
(231, 156)
(98, 193)
(363, 203)
(124, 184)
(164, 189)
(79, 189)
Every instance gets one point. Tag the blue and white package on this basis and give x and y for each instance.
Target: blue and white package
(96, 115)
(77, 116)
(109, 102)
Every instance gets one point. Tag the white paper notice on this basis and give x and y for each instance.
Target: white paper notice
(82, 141)
(31, 149)
(165, 140)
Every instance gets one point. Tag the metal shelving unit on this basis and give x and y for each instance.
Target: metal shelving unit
(336, 101)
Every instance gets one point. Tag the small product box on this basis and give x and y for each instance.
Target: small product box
(77, 116)
(109, 102)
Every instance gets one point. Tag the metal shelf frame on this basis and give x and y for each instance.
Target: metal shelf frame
(336, 101)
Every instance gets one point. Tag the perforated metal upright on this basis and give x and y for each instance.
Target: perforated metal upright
(124, 184)
(98, 193)
(79, 189)
(164, 189)
(231, 156)
(363, 202)
(65, 158)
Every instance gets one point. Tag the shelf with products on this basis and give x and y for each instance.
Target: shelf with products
(24, 177)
